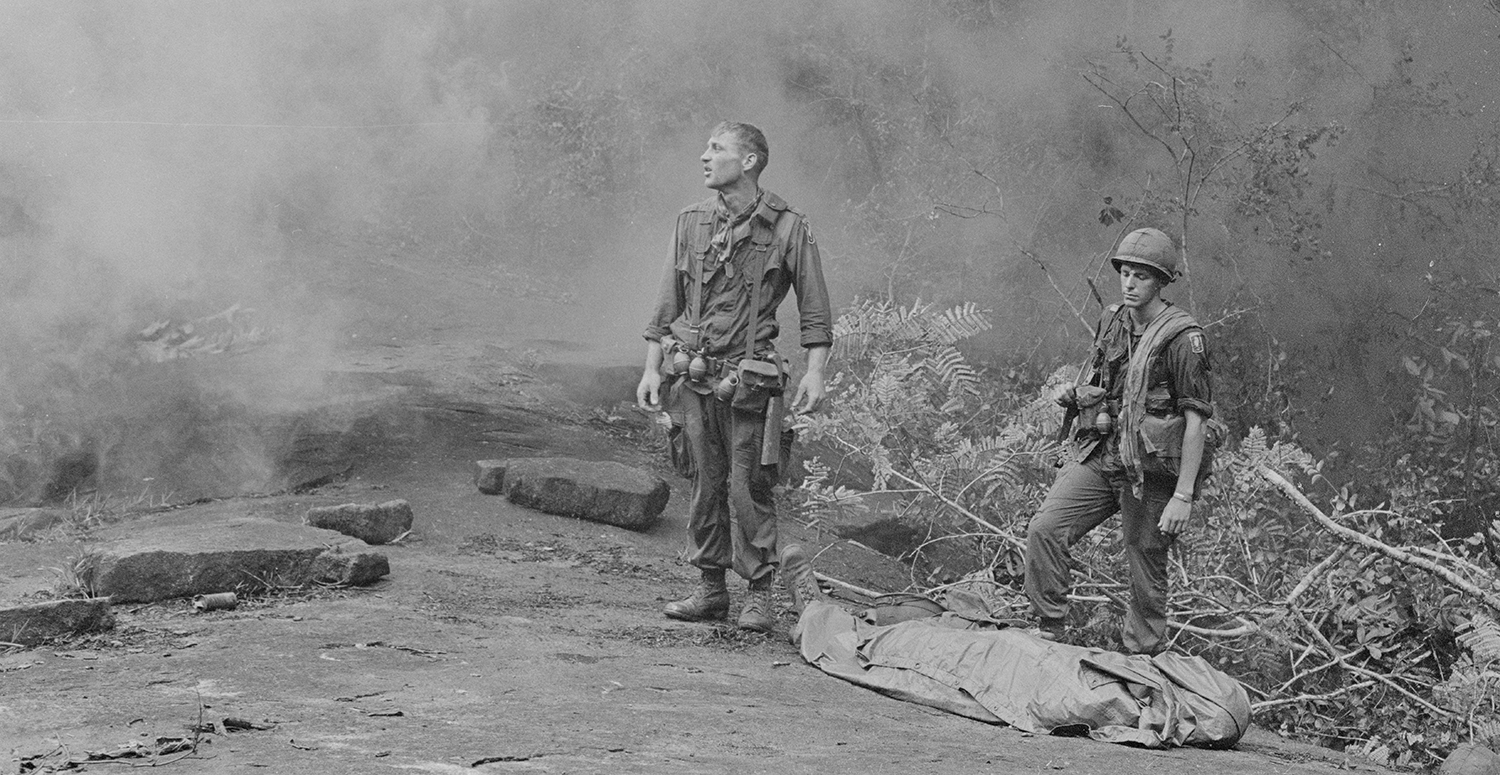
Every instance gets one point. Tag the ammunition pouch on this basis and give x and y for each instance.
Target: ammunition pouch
(1161, 440)
(758, 381)
(1088, 396)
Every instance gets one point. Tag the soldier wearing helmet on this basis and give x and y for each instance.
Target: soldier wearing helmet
(1139, 449)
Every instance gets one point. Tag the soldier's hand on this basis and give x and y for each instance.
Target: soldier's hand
(648, 392)
(1066, 396)
(810, 391)
(1175, 517)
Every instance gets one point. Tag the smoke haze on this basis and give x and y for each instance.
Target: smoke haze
(166, 161)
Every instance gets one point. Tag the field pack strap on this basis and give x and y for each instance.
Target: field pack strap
(695, 301)
(778, 229)
(754, 325)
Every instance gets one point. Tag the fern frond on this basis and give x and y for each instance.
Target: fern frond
(947, 437)
(960, 322)
(950, 369)
(976, 452)
(887, 390)
(953, 481)
(1254, 444)
(911, 322)
(881, 467)
(864, 316)
(1481, 636)
(817, 472)
(864, 324)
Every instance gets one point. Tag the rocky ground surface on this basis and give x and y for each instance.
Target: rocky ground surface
(503, 639)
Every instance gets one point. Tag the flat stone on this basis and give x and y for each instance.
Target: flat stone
(489, 476)
(163, 560)
(22, 524)
(379, 523)
(37, 623)
(607, 492)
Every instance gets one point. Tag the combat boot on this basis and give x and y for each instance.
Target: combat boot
(755, 614)
(797, 575)
(709, 601)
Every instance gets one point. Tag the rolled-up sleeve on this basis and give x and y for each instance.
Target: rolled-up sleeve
(1188, 360)
(806, 266)
(670, 301)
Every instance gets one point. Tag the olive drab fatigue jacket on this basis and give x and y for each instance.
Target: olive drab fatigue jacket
(776, 239)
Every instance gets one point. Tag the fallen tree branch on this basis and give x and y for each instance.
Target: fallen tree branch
(1268, 704)
(1343, 661)
(1381, 547)
(1315, 574)
(1246, 628)
(869, 593)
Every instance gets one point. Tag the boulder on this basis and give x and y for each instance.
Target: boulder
(379, 523)
(607, 492)
(32, 624)
(1471, 759)
(489, 476)
(166, 560)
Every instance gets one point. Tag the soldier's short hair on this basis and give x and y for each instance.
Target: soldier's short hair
(750, 139)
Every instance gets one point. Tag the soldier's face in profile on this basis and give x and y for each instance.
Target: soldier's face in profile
(723, 164)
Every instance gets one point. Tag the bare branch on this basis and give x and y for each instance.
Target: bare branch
(1269, 704)
(1316, 573)
(1381, 547)
(861, 591)
(1171, 152)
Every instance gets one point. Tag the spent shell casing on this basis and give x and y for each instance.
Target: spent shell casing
(215, 602)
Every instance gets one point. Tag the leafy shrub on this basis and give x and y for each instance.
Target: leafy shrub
(1366, 629)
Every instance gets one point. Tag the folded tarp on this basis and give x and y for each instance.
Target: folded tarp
(1010, 676)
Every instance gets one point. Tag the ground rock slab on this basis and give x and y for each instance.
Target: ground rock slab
(163, 561)
(37, 623)
(379, 523)
(607, 492)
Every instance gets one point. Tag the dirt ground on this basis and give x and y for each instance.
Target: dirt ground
(504, 640)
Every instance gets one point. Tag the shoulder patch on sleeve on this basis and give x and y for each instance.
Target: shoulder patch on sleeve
(1196, 340)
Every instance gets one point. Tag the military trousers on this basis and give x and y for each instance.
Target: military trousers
(1083, 497)
(732, 515)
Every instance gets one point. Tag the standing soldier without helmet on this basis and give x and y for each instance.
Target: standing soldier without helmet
(1139, 448)
(734, 257)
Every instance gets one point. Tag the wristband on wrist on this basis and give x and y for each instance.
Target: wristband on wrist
(1182, 496)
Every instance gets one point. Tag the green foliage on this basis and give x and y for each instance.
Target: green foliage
(1447, 447)
(1336, 642)
(1481, 636)
(911, 418)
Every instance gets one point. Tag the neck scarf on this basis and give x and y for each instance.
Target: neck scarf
(729, 231)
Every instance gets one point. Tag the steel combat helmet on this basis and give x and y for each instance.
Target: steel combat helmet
(1149, 247)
